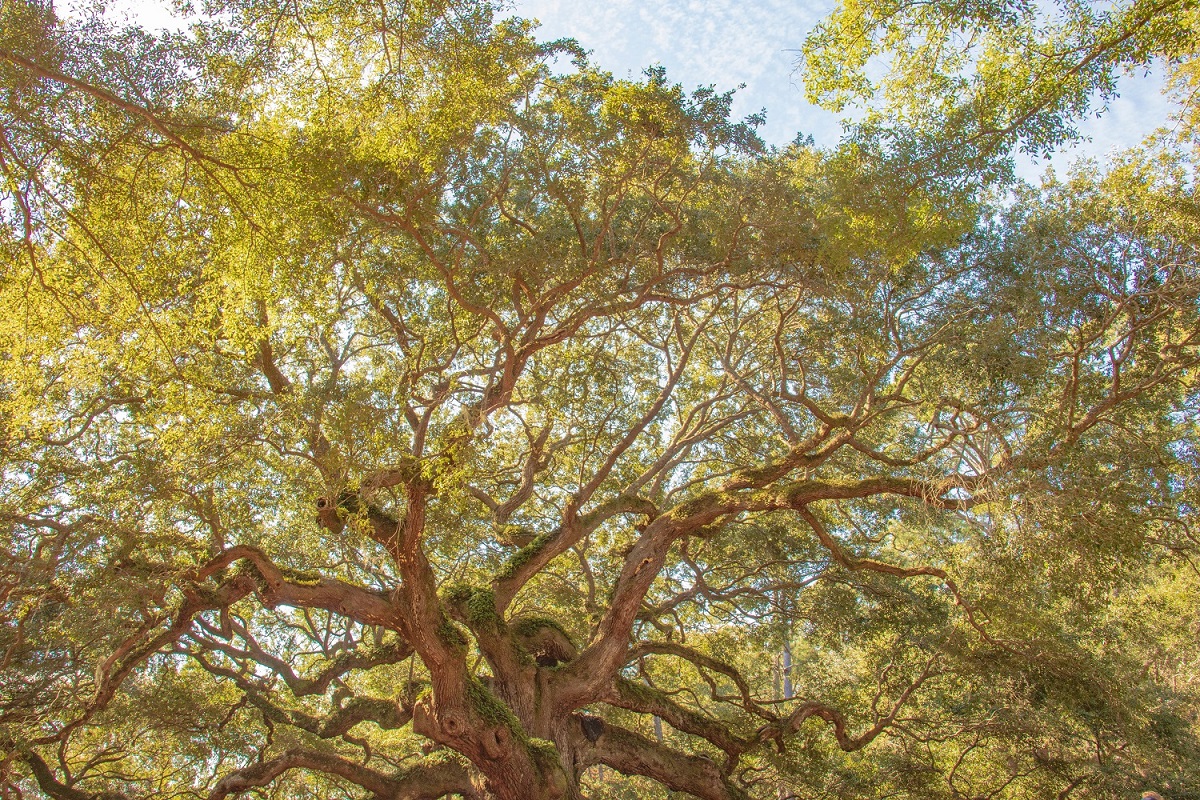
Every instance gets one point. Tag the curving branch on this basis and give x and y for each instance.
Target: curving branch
(778, 731)
(361, 657)
(132, 652)
(304, 590)
(164, 128)
(387, 714)
(704, 662)
(56, 789)
(644, 700)
(428, 780)
(599, 742)
(266, 579)
(532, 558)
(586, 677)
(855, 564)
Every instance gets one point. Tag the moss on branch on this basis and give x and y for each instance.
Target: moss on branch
(492, 709)
(475, 605)
(452, 635)
(523, 556)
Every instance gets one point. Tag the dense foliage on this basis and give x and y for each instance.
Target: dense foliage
(393, 405)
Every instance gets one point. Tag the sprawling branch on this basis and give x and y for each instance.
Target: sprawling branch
(277, 587)
(635, 697)
(56, 789)
(703, 662)
(599, 663)
(425, 781)
(844, 559)
(132, 652)
(357, 659)
(387, 714)
(268, 580)
(532, 558)
(598, 742)
(156, 121)
(846, 741)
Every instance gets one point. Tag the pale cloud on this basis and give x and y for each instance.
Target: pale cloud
(1139, 110)
(726, 43)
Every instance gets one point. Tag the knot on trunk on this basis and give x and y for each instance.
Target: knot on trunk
(485, 726)
(451, 726)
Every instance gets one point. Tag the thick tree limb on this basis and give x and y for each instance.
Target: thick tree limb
(425, 781)
(111, 673)
(598, 742)
(535, 556)
(645, 700)
(270, 583)
(56, 789)
(599, 663)
(308, 591)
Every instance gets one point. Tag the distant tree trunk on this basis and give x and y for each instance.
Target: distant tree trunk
(787, 666)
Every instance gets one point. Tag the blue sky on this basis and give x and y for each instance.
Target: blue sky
(701, 42)
(755, 42)
(727, 43)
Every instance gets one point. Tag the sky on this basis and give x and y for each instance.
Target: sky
(755, 43)
(732, 42)
(721, 42)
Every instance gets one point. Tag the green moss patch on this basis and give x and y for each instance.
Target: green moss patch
(524, 556)
(492, 709)
(477, 606)
(452, 635)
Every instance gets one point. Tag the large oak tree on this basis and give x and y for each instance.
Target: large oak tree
(395, 406)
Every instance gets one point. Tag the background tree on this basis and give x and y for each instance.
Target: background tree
(390, 409)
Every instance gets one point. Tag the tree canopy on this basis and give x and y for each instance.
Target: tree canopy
(394, 405)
